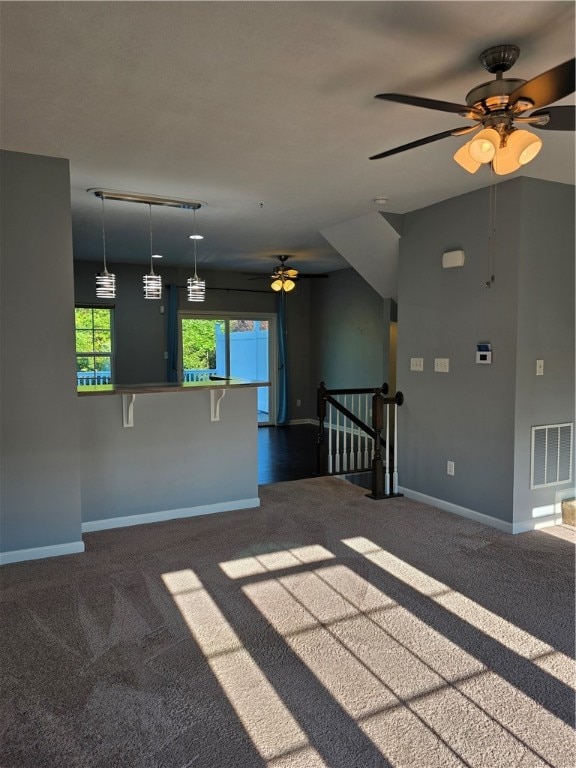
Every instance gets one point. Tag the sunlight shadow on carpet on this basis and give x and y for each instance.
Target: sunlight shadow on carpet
(516, 639)
(268, 723)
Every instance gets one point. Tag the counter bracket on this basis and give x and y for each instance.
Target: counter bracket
(216, 396)
(128, 410)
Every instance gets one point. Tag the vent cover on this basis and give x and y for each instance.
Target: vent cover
(551, 455)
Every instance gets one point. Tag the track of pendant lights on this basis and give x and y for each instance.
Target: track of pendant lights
(151, 282)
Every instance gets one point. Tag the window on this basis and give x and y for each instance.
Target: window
(94, 345)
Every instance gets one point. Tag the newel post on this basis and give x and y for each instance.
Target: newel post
(377, 425)
(321, 458)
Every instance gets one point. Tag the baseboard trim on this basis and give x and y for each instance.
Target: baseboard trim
(301, 421)
(169, 514)
(455, 509)
(537, 524)
(39, 553)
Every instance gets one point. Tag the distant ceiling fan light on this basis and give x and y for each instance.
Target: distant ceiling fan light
(288, 285)
(484, 145)
(276, 285)
(462, 157)
(525, 145)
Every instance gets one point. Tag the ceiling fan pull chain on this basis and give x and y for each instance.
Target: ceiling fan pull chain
(491, 229)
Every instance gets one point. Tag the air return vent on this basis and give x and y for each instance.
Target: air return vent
(552, 447)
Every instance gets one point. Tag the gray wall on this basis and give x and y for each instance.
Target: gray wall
(140, 331)
(545, 330)
(352, 332)
(40, 495)
(173, 458)
(471, 415)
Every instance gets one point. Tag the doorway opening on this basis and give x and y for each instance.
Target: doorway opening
(239, 345)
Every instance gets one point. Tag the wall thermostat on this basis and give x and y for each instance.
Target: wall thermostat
(484, 353)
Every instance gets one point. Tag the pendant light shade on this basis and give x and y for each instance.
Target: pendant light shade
(484, 145)
(463, 158)
(105, 285)
(524, 145)
(505, 160)
(152, 283)
(196, 286)
(196, 289)
(105, 281)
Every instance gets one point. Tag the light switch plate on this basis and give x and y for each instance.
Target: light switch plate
(539, 367)
(442, 365)
(416, 363)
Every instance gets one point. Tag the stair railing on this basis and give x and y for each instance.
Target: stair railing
(343, 416)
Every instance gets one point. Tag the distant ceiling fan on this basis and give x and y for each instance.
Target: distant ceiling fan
(497, 108)
(284, 278)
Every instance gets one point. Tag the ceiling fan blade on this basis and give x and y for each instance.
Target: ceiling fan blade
(413, 144)
(561, 118)
(548, 87)
(311, 275)
(418, 101)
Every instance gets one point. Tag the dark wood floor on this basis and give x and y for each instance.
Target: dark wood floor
(286, 453)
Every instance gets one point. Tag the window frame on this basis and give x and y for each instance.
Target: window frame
(111, 356)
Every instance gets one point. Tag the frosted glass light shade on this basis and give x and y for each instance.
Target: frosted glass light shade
(484, 145)
(196, 289)
(152, 285)
(105, 285)
(524, 145)
(462, 157)
(505, 161)
(283, 284)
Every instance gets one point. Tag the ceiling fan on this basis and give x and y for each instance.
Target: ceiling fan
(497, 108)
(284, 278)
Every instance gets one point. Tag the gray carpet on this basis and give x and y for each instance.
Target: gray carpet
(323, 629)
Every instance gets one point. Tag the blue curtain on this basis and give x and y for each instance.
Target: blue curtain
(172, 328)
(283, 415)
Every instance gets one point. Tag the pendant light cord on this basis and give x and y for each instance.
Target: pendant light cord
(151, 262)
(194, 227)
(103, 236)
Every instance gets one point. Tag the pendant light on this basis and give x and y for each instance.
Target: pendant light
(196, 286)
(152, 283)
(105, 281)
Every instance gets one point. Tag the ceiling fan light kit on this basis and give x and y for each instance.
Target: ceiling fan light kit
(495, 106)
(507, 153)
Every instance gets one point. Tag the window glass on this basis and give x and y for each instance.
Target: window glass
(94, 345)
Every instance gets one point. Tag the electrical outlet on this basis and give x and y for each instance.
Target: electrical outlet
(298, 403)
(441, 364)
(416, 363)
(539, 367)
(450, 468)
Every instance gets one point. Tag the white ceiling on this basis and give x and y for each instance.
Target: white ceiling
(263, 110)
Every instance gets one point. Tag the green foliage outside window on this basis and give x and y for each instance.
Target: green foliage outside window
(199, 343)
(93, 340)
